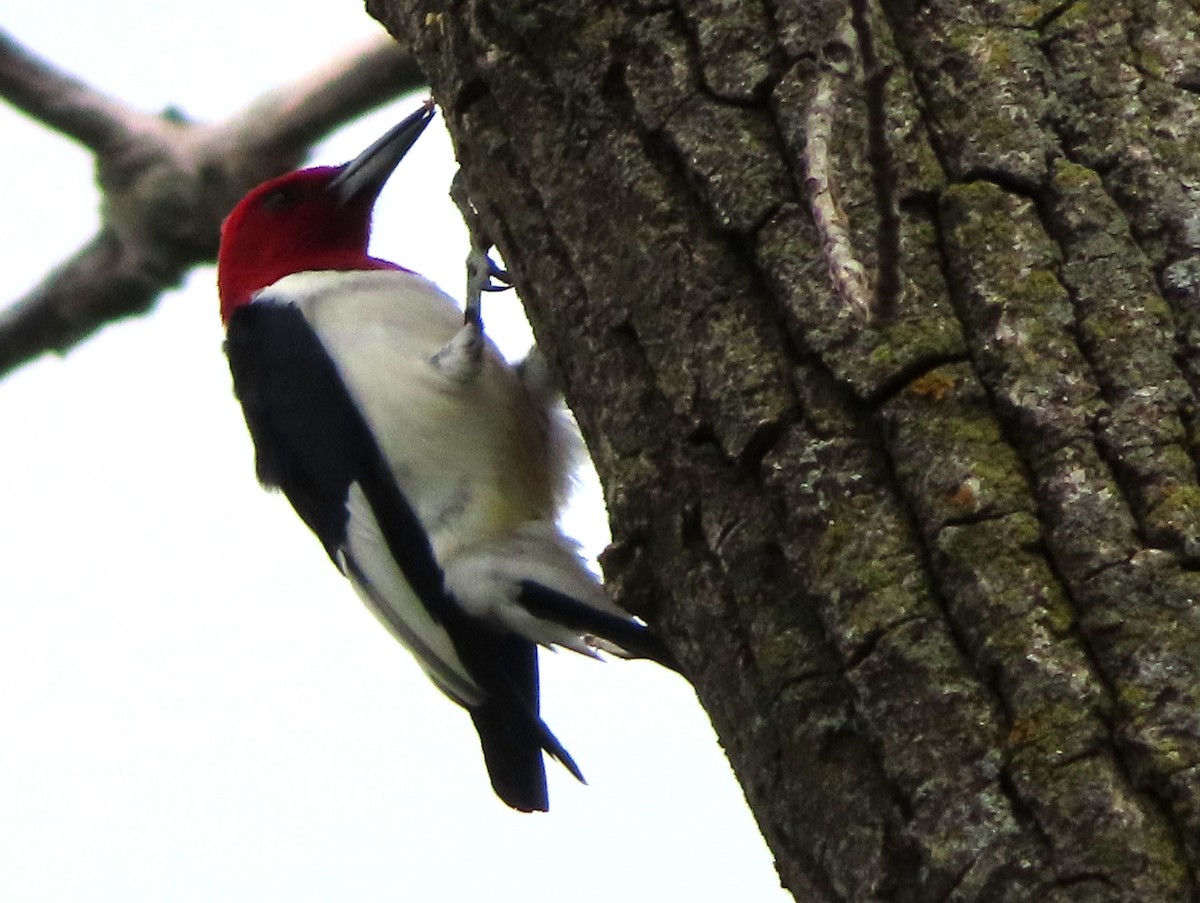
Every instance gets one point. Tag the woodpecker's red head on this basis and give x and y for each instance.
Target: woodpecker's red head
(311, 219)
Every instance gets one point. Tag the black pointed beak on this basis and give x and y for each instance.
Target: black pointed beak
(365, 175)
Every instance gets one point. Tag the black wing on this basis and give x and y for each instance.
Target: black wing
(312, 442)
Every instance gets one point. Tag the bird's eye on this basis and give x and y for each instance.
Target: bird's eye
(279, 199)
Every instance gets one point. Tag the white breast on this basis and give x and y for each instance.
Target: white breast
(476, 458)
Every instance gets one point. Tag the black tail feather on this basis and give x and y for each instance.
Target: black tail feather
(633, 637)
(511, 732)
(550, 744)
(513, 758)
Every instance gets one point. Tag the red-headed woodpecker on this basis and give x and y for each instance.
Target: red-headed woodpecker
(430, 469)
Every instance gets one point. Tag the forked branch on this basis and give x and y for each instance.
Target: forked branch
(167, 184)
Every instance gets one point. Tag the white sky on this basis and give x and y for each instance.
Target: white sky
(194, 704)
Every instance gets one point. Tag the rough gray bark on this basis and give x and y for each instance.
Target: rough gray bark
(881, 325)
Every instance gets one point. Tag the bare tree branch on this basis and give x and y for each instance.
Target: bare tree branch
(168, 184)
(60, 100)
(300, 114)
(93, 286)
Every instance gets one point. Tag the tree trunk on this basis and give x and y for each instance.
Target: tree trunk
(881, 323)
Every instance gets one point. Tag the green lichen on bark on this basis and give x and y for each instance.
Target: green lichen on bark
(982, 78)
(1126, 107)
(734, 44)
(1018, 316)
(949, 452)
(920, 326)
(929, 567)
(1008, 605)
(1126, 330)
(867, 357)
(871, 596)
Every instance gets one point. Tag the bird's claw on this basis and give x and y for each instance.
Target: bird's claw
(483, 275)
(501, 277)
(481, 271)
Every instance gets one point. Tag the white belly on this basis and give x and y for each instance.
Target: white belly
(473, 457)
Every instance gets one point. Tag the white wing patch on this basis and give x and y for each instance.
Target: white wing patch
(368, 564)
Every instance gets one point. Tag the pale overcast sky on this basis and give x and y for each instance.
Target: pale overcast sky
(195, 707)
